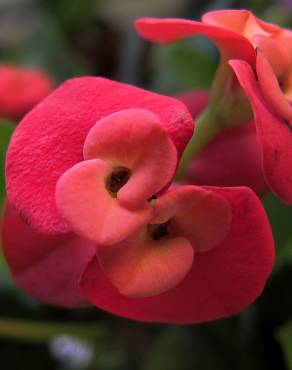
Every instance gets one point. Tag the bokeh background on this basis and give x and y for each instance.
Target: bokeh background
(67, 38)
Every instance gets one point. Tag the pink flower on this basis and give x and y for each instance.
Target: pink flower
(239, 35)
(274, 132)
(21, 89)
(231, 30)
(219, 282)
(51, 139)
(89, 170)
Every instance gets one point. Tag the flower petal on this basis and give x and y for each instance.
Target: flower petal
(50, 139)
(143, 267)
(270, 88)
(46, 267)
(274, 52)
(137, 140)
(90, 210)
(240, 21)
(275, 135)
(199, 215)
(221, 282)
(231, 44)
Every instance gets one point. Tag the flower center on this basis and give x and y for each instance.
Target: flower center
(117, 179)
(159, 231)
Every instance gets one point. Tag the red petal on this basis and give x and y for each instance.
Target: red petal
(221, 283)
(143, 267)
(50, 139)
(137, 140)
(270, 88)
(46, 267)
(88, 207)
(240, 21)
(275, 53)
(231, 44)
(275, 135)
(199, 215)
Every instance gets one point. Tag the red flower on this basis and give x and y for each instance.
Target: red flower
(238, 33)
(274, 132)
(220, 282)
(231, 30)
(21, 89)
(233, 158)
(49, 141)
(90, 166)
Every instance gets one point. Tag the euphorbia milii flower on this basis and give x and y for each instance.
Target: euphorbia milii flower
(50, 140)
(231, 30)
(160, 254)
(128, 158)
(233, 158)
(274, 131)
(206, 255)
(265, 47)
(89, 168)
(21, 89)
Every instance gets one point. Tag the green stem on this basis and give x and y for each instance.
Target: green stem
(39, 331)
(207, 127)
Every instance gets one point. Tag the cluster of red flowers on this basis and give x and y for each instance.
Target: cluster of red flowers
(93, 215)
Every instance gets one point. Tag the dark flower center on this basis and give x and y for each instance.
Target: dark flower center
(159, 231)
(117, 179)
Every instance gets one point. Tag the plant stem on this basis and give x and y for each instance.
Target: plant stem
(207, 127)
(40, 331)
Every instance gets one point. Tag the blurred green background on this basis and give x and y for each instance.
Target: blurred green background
(69, 38)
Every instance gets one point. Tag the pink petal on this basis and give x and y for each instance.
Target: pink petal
(90, 210)
(231, 44)
(199, 215)
(143, 267)
(270, 88)
(240, 21)
(274, 52)
(275, 135)
(221, 282)
(46, 267)
(50, 140)
(137, 140)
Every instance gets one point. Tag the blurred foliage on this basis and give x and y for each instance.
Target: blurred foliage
(284, 336)
(68, 38)
(6, 129)
(280, 216)
(183, 65)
